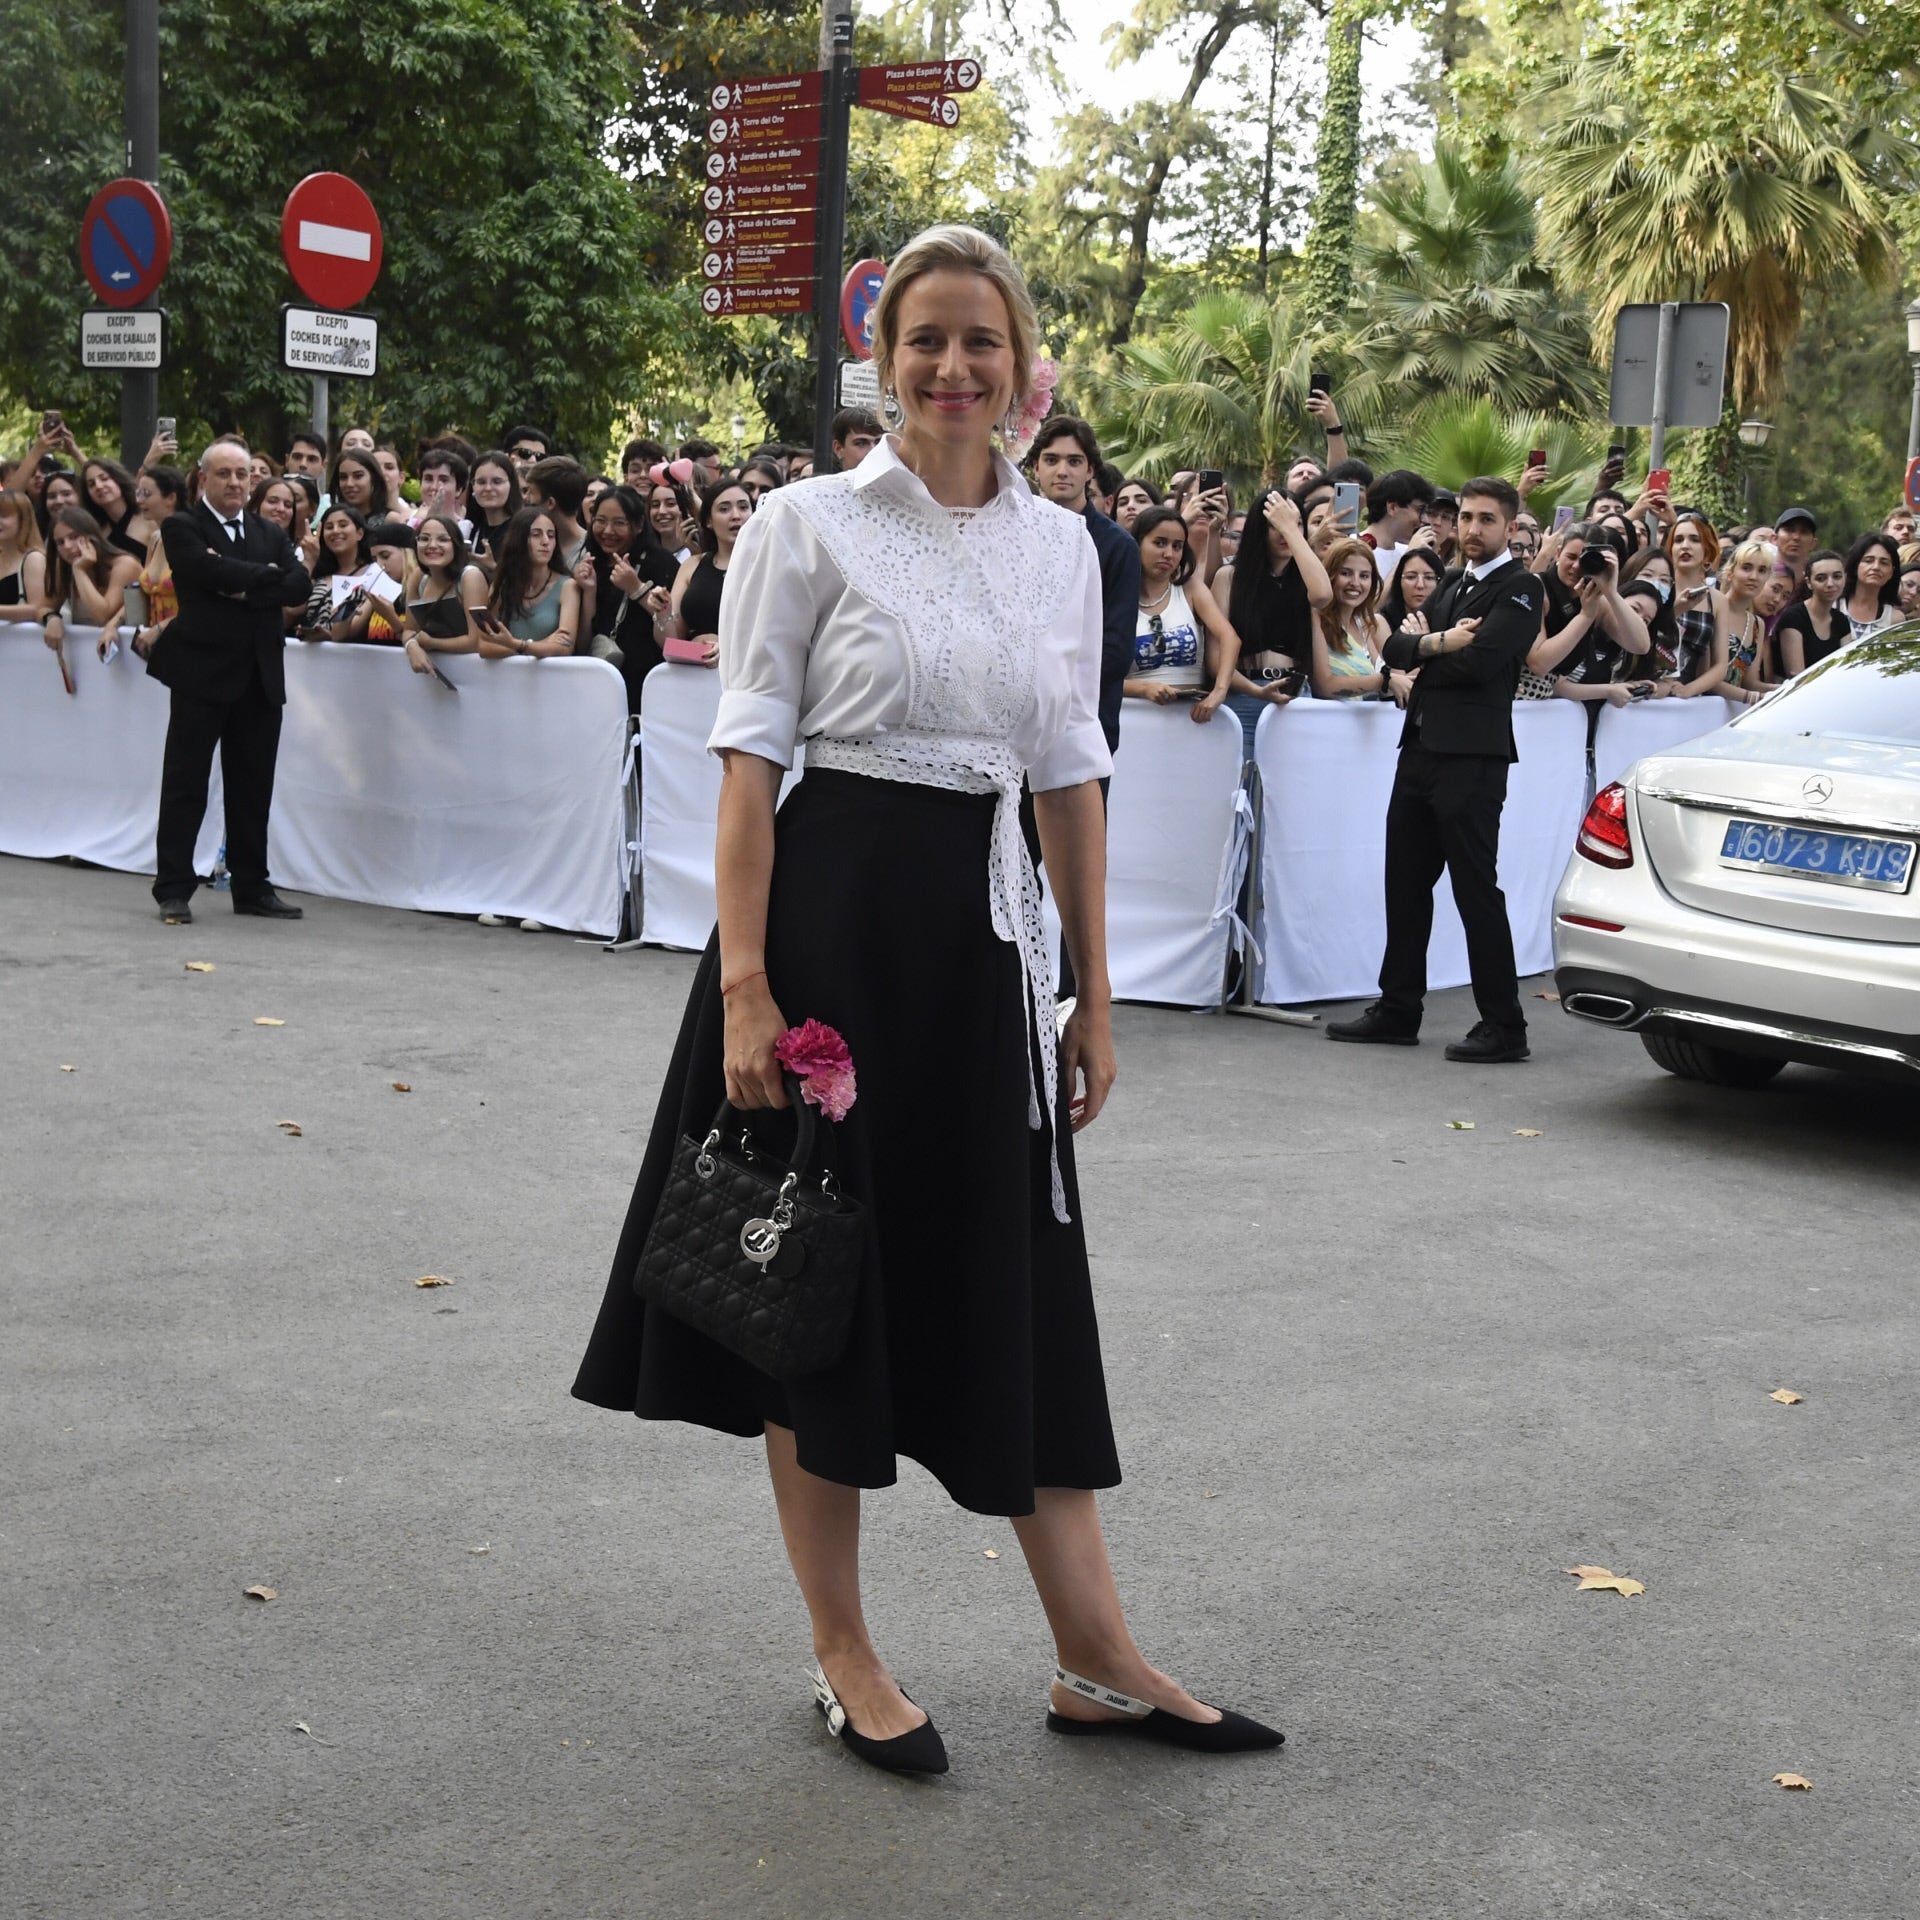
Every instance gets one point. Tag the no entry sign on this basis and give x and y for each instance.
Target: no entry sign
(330, 236)
(126, 242)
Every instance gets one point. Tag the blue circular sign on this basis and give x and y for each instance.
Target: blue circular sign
(858, 297)
(126, 242)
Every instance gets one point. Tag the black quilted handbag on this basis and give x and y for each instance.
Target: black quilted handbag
(755, 1252)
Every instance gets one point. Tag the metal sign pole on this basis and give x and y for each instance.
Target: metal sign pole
(318, 422)
(830, 244)
(1662, 406)
(140, 391)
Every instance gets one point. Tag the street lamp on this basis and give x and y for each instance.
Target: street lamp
(1913, 355)
(739, 425)
(1754, 435)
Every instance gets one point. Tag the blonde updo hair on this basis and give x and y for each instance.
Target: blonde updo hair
(970, 251)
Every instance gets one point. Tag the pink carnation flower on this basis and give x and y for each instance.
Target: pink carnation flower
(818, 1056)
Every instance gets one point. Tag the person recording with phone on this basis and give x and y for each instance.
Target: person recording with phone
(1271, 593)
(1184, 648)
(1204, 506)
(1587, 629)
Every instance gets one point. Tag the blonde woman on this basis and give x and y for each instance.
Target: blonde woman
(1736, 670)
(1349, 632)
(933, 631)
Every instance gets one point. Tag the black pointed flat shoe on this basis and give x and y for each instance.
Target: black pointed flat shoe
(1231, 1733)
(919, 1750)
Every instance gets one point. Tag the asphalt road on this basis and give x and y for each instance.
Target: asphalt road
(1378, 1380)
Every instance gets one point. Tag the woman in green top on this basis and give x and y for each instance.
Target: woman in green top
(536, 605)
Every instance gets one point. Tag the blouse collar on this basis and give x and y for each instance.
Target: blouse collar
(884, 467)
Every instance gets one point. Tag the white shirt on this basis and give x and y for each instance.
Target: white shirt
(1479, 572)
(804, 651)
(1387, 558)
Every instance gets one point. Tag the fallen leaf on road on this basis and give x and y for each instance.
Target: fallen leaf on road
(1209, 1496)
(400, 1086)
(1603, 1579)
(433, 1280)
(1793, 1782)
(1526, 1133)
(1546, 996)
(300, 1726)
(991, 1555)
(1786, 1396)
(199, 966)
(488, 1548)
(291, 1128)
(264, 1021)
(1461, 1126)
(262, 1593)
(67, 1069)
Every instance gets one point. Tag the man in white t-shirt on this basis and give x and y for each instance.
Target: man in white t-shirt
(1394, 503)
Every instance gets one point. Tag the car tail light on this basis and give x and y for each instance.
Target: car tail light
(1603, 833)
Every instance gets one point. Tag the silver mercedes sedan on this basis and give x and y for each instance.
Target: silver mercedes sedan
(1748, 899)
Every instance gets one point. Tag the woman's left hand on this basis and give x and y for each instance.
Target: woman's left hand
(1086, 1053)
(623, 576)
(1207, 706)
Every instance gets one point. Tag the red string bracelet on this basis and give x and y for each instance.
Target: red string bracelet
(761, 974)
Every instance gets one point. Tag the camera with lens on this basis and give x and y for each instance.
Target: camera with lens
(1593, 560)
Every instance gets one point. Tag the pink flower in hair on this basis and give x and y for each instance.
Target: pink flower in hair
(817, 1055)
(1037, 405)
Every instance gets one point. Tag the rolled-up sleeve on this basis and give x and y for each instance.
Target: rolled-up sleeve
(1078, 751)
(769, 614)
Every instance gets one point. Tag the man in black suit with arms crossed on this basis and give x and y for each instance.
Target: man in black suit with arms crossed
(1451, 784)
(223, 656)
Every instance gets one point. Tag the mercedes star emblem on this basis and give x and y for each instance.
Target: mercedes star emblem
(1818, 789)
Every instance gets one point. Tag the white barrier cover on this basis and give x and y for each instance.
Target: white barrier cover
(1626, 734)
(1172, 811)
(679, 804)
(80, 772)
(504, 798)
(1327, 768)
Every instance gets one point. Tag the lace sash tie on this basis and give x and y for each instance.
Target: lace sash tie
(1013, 891)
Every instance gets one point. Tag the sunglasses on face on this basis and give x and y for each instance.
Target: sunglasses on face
(528, 454)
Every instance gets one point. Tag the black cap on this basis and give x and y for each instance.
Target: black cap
(1445, 499)
(1797, 513)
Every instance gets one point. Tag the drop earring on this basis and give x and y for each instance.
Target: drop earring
(891, 411)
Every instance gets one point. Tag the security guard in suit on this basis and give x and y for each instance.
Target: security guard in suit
(1451, 785)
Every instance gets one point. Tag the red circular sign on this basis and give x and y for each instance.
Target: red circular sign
(858, 296)
(330, 235)
(126, 242)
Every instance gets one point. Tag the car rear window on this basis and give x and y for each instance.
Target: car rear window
(1868, 691)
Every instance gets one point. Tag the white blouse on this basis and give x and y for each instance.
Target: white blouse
(903, 640)
(854, 604)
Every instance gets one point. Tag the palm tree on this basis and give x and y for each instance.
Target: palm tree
(1455, 438)
(1755, 210)
(1454, 299)
(1225, 383)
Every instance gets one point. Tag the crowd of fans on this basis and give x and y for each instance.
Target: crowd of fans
(521, 550)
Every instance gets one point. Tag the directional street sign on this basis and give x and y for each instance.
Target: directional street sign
(122, 342)
(790, 227)
(760, 126)
(928, 76)
(757, 263)
(787, 195)
(776, 296)
(330, 236)
(936, 109)
(126, 242)
(769, 90)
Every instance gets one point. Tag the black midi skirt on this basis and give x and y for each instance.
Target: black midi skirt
(974, 1348)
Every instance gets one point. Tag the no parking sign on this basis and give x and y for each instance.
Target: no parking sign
(857, 300)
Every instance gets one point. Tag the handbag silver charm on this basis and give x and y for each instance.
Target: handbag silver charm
(760, 1239)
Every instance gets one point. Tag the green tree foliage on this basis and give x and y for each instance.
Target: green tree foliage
(1336, 199)
(1455, 438)
(1452, 298)
(516, 279)
(1225, 383)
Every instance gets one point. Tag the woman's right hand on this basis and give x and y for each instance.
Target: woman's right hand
(54, 632)
(417, 655)
(1282, 515)
(1414, 623)
(753, 1028)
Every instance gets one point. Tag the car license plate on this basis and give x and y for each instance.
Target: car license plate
(1850, 859)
